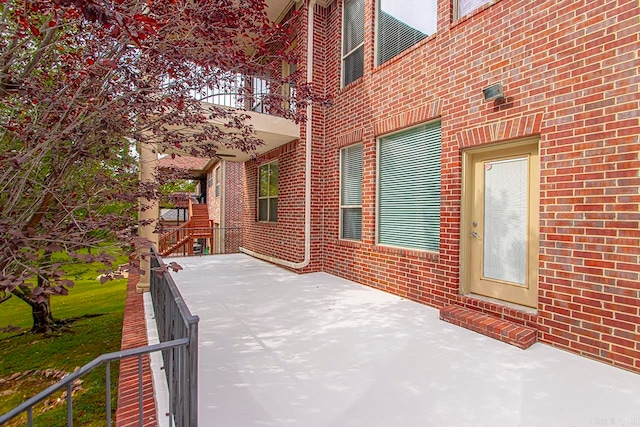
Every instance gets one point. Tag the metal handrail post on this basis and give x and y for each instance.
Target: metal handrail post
(192, 348)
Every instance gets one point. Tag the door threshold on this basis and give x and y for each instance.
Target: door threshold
(511, 305)
(500, 329)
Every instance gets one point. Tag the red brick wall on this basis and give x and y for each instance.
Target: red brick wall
(284, 239)
(213, 202)
(233, 187)
(233, 194)
(570, 75)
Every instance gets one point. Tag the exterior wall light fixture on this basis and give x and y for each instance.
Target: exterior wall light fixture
(493, 92)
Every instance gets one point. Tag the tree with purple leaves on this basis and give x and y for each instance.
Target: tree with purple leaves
(84, 81)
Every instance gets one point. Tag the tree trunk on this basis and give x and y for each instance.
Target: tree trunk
(43, 321)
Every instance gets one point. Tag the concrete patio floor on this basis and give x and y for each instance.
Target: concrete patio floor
(280, 349)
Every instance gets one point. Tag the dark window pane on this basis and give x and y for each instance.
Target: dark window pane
(353, 30)
(352, 223)
(354, 65)
(263, 211)
(273, 209)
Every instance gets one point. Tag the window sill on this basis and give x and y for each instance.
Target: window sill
(349, 243)
(354, 84)
(413, 253)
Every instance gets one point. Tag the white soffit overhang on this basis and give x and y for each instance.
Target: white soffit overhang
(272, 130)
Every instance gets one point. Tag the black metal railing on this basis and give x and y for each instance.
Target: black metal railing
(252, 93)
(243, 92)
(175, 322)
(178, 333)
(67, 382)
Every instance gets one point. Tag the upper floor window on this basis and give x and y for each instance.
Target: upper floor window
(352, 41)
(351, 192)
(467, 6)
(403, 23)
(268, 192)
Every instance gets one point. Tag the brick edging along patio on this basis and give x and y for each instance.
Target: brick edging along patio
(134, 334)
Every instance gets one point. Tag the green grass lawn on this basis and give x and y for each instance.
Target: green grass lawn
(99, 309)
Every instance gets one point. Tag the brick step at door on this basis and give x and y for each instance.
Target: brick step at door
(511, 333)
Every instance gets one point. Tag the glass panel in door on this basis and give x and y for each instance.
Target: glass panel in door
(505, 220)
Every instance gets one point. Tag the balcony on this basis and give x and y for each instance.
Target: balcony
(252, 96)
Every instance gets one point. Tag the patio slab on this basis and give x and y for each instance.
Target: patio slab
(281, 349)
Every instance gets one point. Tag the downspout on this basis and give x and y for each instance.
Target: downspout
(307, 173)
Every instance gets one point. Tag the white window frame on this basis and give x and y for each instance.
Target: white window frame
(267, 197)
(343, 54)
(343, 207)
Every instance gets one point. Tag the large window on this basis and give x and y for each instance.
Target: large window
(403, 23)
(468, 6)
(352, 41)
(351, 192)
(268, 192)
(409, 188)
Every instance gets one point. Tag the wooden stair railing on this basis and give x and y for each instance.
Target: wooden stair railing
(183, 237)
(170, 241)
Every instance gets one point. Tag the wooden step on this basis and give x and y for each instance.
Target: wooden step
(511, 333)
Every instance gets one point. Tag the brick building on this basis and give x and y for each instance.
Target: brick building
(482, 154)
(222, 184)
(219, 187)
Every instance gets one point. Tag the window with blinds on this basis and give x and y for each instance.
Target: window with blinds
(268, 192)
(351, 192)
(401, 24)
(467, 6)
(409, 188)
(352, 41)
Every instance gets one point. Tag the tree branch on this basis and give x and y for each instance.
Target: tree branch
(39, 53)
